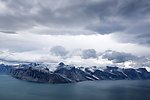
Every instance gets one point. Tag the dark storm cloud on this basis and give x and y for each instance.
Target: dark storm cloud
(122, 57)
(118, 57)
(8, 32)
(59, 51)
(130, 17)
(89, 53)
(134, 9)
(140, 34)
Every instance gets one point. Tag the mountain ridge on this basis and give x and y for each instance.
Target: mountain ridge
(35, 72)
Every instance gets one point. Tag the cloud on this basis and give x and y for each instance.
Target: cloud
(59, 51)
(127, 60)
(118, 57)
(34, 25)
(8, 32)
(87, 57)
(135, 34)
(89, 53)
(69, 17)
(27, 57)
(99, 16)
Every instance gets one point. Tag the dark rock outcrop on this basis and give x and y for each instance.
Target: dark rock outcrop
(68, 74)
(6, 69)
(75, 74)
(41, 76)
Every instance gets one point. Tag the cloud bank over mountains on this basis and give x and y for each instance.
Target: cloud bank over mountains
(118, 57)
(86, 57)
(76, 31)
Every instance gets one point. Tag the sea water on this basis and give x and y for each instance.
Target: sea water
(13, 89)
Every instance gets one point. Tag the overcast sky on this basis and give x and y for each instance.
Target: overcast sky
(91, 32)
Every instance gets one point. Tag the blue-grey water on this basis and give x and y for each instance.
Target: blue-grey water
(13, 89)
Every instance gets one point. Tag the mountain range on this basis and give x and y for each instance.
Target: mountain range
(41, 73)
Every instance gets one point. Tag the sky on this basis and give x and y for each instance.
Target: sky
(80, 32)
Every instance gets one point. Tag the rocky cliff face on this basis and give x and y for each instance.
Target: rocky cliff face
(75, 74)
(115, 73)
(40, 76)
(5, 69)
(68, 74)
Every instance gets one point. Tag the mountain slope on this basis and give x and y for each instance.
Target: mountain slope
(67, 73)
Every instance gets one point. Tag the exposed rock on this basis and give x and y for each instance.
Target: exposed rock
(75, 74)
(5, 69)
(67, 73)
(40, 76)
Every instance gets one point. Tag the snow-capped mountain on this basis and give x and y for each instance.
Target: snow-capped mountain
(62, 73)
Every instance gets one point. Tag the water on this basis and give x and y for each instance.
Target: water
(13, 89)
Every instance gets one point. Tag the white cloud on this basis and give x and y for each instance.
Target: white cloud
(75, 57)
(59, 51)
(29, 29)
(23, 42)
(89, 53)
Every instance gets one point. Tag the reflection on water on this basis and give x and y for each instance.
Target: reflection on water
(12, 89)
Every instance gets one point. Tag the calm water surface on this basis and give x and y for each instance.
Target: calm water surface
(13, 89)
